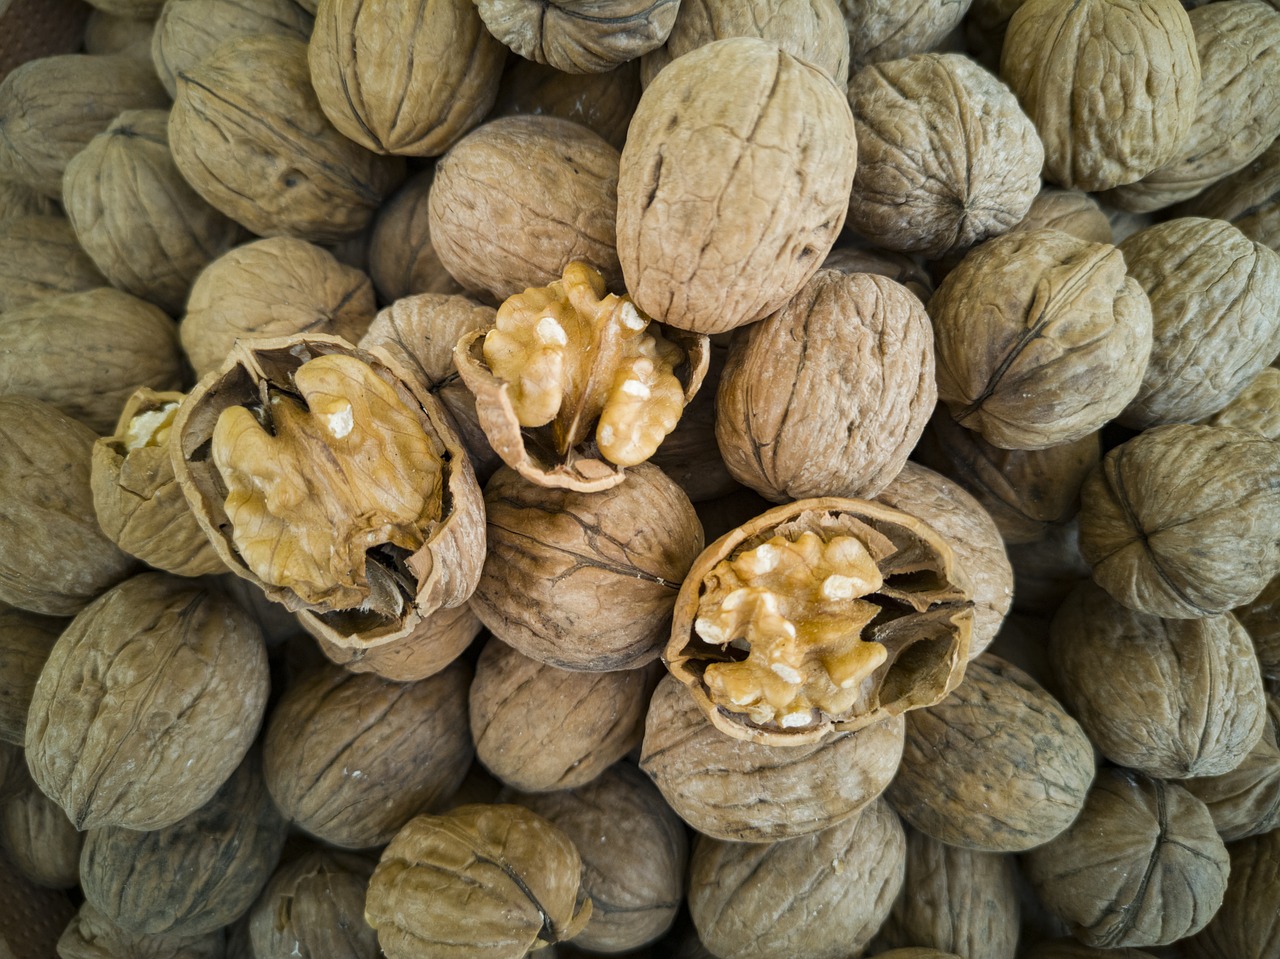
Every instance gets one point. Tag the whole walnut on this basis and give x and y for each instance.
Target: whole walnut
(25, 642)
(1258, 616)
(727, 207)
(402, 259)
(856, 258)
(39, 839)
(1256, 407)
(40, 258)
(1249, 199)
(1245, 801)
(580, 36)
(433, 644)
(178, 688)
(90, 935)
(1141, 53)
(314, 907)
(107, 33)
(1070, 211)
(603, 102)
(881, 30)
(1247, 924)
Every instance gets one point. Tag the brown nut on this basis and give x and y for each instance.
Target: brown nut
(881, 30)
(39, 839)
(1046, 570)
(402, 259)
(1249, 200)
(313, 907)
(1070, 211)
(768, 627)
(432, 645)
(1245, 801)
(90, 935)
(1259, 617)
(40, 258)
(580, 36)
(1247, 924)
(25, 642)
(1256, 408)
(603, 102)
(898, 267)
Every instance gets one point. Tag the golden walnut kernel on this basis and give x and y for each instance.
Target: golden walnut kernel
(821, 614)
(585, 370)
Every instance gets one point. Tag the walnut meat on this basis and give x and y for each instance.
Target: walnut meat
(314, 907)
(727, 207)
(40, 258)
(25, 642)
(580, 36)
(881, 30)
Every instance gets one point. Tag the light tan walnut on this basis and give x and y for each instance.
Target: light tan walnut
(40, 258)
(603, 102)
(1070, 211)
(1249, 200)
(881, 30)
(580, 36)
(1256, 408)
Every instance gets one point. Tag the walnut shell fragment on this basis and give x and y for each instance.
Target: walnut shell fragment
(40, 258)
(580, 36)
(768, 630)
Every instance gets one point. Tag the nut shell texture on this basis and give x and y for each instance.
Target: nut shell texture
(580, 36)
(40, 258)
(313, 907)
(882, 30)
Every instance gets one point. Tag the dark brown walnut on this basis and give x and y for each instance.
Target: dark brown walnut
(1040, 338)
(1248, 923)
(1256, 407)
(1181, 521)
(352, 758)
(39, 839)
(1070, 211)
(603, 102)
(828, 396)
(90, 935)
(1245, 801)
(1211, 290)
(538, 728)
(313, 908)
(1141, 866)
(580, 36)
(497, 878)
(144, 227)
(433, 644)
(1023, 642)
(689, 454)
(985, 26)
(40, 258)
(881, 30)
(195, 876)
(1046, 570)
(404, 77)
(17, 199)
(107, 33)
(634, 853)
(357, 508)
(727, 201)
(264, 153)
(519, 199)
(822, 896)
(1238, 115)
(1249, 199)
(1260, 617)
(747, 792)
(821, 615)
(955, 900)
(1167, 697)
(998, 767)
(25, 642)
(52, 107)
(268, 288)
(585, 580)
(177, 684)
(1070, 949)
(1142, 52)
(730, 511)
(946, 157)
(54, 558)
(1028, 493)
(136, 497)
(896, 266)
(86, 353)
(402, 259)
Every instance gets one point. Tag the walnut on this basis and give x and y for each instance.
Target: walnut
(757, 901)
(881, 30)
(144, 227)
(432, 645)
(559, 559)
(90, 935)
(352, 758)
(1046, 570)
(1040, 338)
(402, 259)
(1070, 211)
(1249, 199)
(1139, 52)
(264, 154)
(502, 878)
(314, 907)
(985, 26)
(690, 454)
(1017, 766)
(1070, 949)
(603, 102)
(105, 33)
(741, 791)
(1259, 617)
(794, 420)
(1256, 407)
(915, 952)
(896, 266)
(768, 627)
(1247, 924)
(12, 772)
(404, 77)
(149, 700)
(136, 9)
(519, 199)
(1245, 801)
(1211, 290)
(726, 207)
(25, 642)
(358, 509)
(39, 838)
(1141, 866)
(1180, 521)
(580, 36)
(40, 258)
(18, 199)
(946, 157)
(268, 288)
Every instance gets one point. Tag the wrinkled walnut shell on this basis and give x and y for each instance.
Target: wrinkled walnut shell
(881, 30)
(1245, 801)
(314, 906)
(580, 36)
(40, 258)
(25, 642)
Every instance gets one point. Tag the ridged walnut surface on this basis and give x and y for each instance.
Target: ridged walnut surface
(580, 36)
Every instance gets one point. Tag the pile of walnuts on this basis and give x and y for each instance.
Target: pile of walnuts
(647, 478)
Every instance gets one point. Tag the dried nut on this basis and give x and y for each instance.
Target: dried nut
(1124, 224)
(195, 876)
(726, 206)
(755, 901)
(90, 935)
(538, 728)
(40, 258)
(264, 154)
(946, 157)
(1245, 801)
(580, 36)
(768, 627)
(585, 580)
(915, 952)
(1259, 617)
(1249, 200)
(1256, 408)
(1023, 641)
(1046, 570)
(746, 792)
(1247, 924)
(573, 384)
(39, 838)
(50, 108)
(18, 199)
(793, 421)
(519, 199)
(54, 558)
(501, 878)
(882, 30)
(1141, 866)
(86, 353)
(1181, 521)
(1070, 949)
(896, 266)
(352, 758)
(1070, 211)
(634, 853)
(313, 907)
(137, 500)
(1170, 698)
(1041, 338)
(404, 77)
(402, 259)
(25, 642)
(358, 508)
(1212, 291)
(269, 288)
(603, 102)
(433, 644)
(105, 33)
(690, 454)
(147, 704)
(1140, 51)
(145, 228)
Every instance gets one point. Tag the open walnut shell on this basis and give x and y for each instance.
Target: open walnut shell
(574, 384)
(818, 615)
(364, 535)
